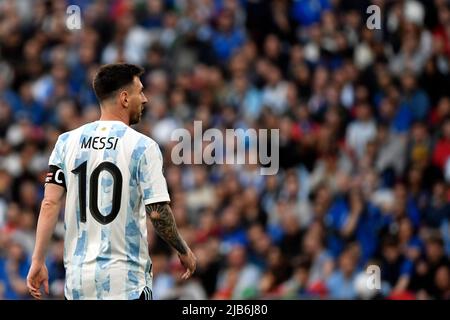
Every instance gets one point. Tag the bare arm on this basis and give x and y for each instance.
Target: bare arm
(402, 283)
(356, 210)
(38, 274)
(351, 224)
(48, 217)
(163, 221)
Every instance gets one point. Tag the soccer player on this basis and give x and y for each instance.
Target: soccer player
(112, 176)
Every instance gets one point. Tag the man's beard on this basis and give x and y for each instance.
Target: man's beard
(135, 118)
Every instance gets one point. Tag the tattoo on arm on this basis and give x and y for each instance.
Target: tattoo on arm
(164, 223)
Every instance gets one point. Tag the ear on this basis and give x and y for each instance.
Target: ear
(123, 98)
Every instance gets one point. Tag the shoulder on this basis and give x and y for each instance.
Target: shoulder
(142, 141)
(140, 145)
(75, 132)
(62, 140)
(63, 137)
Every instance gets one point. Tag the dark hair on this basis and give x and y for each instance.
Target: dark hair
(435, 238)
(112, 77)
(302, 262)
(389, 241)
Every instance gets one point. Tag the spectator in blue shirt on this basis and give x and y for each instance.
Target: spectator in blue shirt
(396, 269)
(28, 107)
(232, 230)
(438, 209)
(410, 244)
(6, 93)
(398, 116)
(14, 270)
(341, 284)
(307, 12)
(226, 38)
(414, 98)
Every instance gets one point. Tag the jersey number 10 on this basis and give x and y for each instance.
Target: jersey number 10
(81, 172)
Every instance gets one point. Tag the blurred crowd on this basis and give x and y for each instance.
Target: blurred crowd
(364, 120)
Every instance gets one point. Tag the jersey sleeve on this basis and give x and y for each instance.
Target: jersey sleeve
(151, 179)
(56, 158)
(55, 172)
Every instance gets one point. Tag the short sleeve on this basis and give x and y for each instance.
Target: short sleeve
(56, 158)
(151, 179)
(55, 174)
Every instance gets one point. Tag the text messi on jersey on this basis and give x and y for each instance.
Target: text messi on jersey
(99, 143)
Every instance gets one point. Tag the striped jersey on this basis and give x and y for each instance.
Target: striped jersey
(111, 172)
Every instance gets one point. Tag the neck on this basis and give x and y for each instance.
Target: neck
(107, 115)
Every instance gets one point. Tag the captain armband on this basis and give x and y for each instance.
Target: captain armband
(56, 176)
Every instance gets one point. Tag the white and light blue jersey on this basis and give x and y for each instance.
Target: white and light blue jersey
(111, 172)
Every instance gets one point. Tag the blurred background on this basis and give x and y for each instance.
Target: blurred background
(364, 119)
